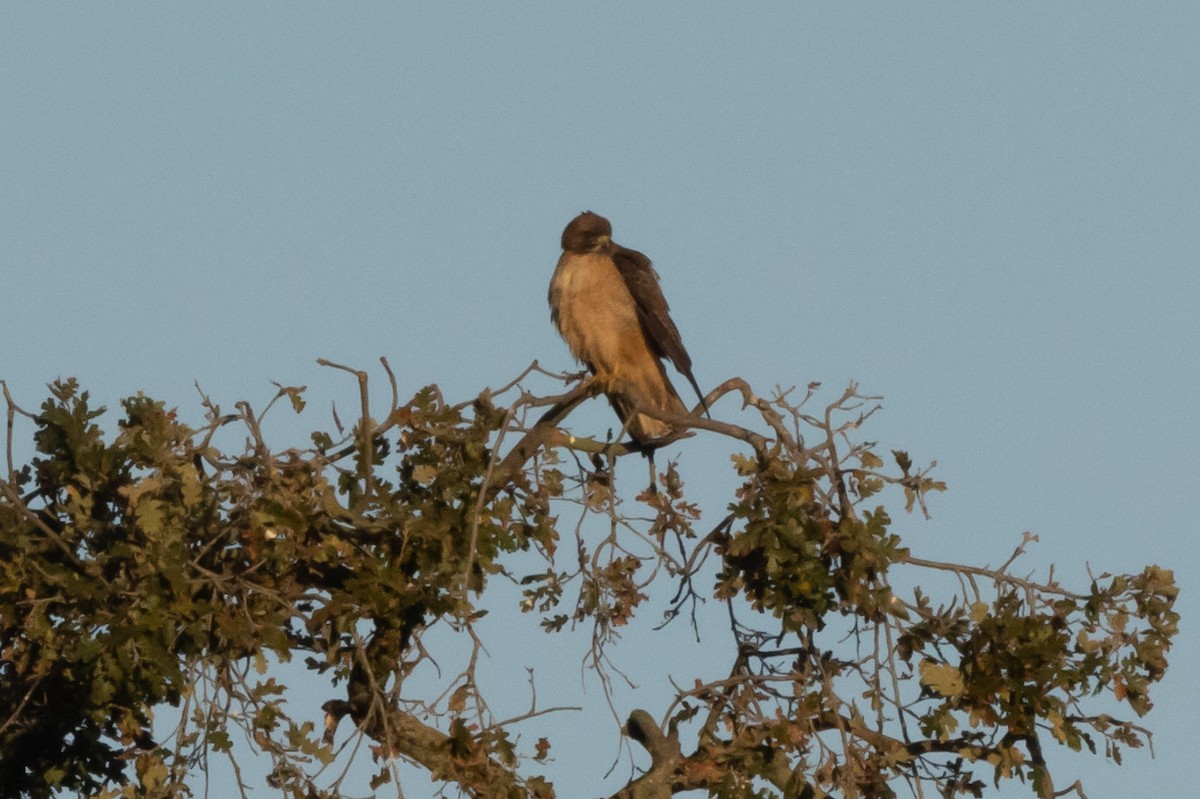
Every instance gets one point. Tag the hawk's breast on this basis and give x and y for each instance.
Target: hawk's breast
(595, 312)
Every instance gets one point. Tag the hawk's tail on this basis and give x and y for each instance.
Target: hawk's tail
(699, 393)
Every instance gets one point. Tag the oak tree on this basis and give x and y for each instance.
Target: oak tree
(155, 567)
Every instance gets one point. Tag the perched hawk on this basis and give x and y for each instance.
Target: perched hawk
(607, 304)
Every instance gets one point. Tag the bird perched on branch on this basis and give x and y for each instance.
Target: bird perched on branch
(606, 302)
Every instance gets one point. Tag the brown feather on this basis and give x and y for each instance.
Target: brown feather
(606, 302)
(654, 312)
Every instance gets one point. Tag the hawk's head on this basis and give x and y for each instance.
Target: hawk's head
(586, 233)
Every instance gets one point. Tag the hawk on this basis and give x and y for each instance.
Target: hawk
(606, 302)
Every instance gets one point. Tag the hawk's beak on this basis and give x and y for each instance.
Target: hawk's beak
(603, 241)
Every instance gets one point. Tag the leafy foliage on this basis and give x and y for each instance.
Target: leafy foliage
(150, 569)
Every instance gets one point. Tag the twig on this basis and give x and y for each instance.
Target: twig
(992, 574)
(366, 428)
(12, 410)
(19, 504)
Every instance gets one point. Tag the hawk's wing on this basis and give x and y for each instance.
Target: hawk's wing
(653, 312)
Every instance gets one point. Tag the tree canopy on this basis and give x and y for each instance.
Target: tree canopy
(155, 566)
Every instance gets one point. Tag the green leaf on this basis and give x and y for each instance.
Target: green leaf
(424, 474)
(942, 678)
(150, 515)
(979, 611)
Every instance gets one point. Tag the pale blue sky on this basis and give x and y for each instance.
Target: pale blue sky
(988, 213)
